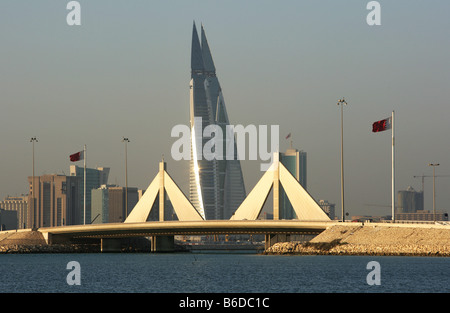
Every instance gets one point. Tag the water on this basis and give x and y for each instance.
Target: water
(221, 273)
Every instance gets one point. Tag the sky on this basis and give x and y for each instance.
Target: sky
(125, 71)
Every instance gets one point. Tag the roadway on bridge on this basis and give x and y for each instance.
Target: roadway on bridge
(118, 230)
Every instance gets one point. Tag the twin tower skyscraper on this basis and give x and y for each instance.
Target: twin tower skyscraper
(216, 187)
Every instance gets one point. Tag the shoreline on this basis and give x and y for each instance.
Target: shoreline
(289, 248)
(371, 240)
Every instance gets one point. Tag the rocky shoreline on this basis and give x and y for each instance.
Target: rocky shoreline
(338, 248)
(44, 248)
(34, 242)
(372, 240)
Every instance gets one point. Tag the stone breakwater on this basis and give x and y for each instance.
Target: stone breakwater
(44, 248)
(372, 239)
(34, 242)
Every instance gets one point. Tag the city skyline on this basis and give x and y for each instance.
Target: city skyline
(285, 64)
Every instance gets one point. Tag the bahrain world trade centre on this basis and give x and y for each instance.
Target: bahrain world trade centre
(216, 185)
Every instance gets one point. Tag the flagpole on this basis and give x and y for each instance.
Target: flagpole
(84, 205)
(393, 168)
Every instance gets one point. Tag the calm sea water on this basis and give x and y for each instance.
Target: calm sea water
(221, 273)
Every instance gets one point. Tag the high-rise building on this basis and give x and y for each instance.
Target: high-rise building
(327, 208)
(108, 203)
(18, 204)
(8, 219)
(94, 179)
(55, 201)
(295, 162)
(99, 205)
(216, 186)
(409, 201)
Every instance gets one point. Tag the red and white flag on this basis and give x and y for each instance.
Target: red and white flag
(382, 125)
(77, 156)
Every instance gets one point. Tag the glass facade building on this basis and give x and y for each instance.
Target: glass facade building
(94, 179)
(295, 162)
(108, 203)
(216, 186)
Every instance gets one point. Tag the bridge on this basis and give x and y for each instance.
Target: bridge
(311, 218)
(161, 233)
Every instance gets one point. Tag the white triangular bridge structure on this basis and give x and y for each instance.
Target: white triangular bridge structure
(162, 183)
(304, 205)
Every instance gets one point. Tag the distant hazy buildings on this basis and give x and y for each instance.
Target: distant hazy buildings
(295, 162)
(216, 186)
(58, 200)
(422, 215)
(410, 207)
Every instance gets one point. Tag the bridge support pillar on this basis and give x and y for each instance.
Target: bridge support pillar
(110, 245)
(48, 238)
(162, 244)
(271, 239)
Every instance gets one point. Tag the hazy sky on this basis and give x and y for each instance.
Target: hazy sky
(125, 72)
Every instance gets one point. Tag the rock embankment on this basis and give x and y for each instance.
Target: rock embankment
(372, 240)
(34, 242)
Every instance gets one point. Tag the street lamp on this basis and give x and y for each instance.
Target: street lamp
(342, 102)
(434, 194)
(126, 140)
(33, 140)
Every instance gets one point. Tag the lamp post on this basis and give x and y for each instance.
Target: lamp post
(126, 140)
(434, 193)
(342, 102)
(33, 140)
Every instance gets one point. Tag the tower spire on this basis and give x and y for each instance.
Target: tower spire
(208, 62)
(196, 52)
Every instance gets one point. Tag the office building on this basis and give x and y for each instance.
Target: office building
(409, 201)
(328, 208)
(54, 202)
(295, 162)
(8, 219)
(94, 179)
(18, 204)
(99, 205)
(216, 186)
(108, 203)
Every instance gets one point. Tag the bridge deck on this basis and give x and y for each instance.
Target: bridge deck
(187, 228)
